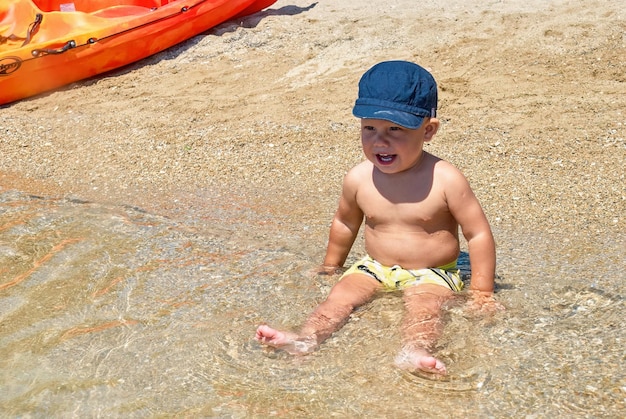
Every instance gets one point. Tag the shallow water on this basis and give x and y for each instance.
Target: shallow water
(112, 311)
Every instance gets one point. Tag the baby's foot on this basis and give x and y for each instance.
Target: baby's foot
(289, 342)
(419, 360)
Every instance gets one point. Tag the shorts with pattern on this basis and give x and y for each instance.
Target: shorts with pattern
(395, 277)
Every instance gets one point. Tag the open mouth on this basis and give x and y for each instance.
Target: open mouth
(385, 158)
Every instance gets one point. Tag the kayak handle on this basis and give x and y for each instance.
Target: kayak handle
(41, 52)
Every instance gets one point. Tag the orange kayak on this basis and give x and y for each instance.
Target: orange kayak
(45, 44)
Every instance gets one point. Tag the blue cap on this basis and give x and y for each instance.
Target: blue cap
(397, 91)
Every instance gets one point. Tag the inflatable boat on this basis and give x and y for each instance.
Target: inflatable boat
(46, 44)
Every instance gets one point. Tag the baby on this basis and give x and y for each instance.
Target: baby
(412, 204)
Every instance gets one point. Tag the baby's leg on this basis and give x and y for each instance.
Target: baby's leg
(349, 293)
(422, 326)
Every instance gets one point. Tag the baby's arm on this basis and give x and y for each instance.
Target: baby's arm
(482, 253)
(467, 211)
(345, 225)
(482, 261)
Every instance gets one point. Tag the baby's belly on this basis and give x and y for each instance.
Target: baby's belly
(412, 250)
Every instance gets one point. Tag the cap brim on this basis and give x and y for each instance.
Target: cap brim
(404, 119)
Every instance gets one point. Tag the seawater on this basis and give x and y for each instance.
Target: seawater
(113, 311)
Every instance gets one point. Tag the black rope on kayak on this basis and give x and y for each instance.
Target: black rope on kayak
(4, 39)
(182, 10)
(32, 30)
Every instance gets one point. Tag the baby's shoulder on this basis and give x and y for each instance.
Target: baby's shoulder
(357, 175)
(363, 168)
(447, 174)
(442, 167)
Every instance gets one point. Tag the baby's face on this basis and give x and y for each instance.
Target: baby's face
(393, 148)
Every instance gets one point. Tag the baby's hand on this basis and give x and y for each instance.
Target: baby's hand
(329, 270)
(484, 302)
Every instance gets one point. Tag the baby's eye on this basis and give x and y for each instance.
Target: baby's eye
(368, 127)
(395, 128)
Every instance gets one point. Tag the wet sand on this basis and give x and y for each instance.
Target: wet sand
(258, 111)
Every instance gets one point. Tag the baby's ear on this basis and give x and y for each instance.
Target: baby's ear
(431, 128)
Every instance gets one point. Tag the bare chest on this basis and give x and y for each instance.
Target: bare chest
(415, 209)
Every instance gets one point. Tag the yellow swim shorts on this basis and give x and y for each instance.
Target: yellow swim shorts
(395, 277)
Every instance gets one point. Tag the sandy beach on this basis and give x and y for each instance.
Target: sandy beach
(258, 111)
(186, 199)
